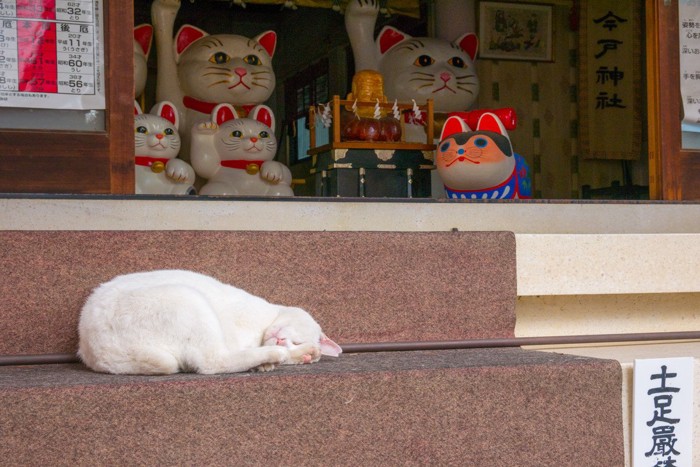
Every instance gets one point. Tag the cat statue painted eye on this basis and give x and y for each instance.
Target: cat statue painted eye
(252, 59)
(220, 58)
(457, 62)
(237, 133)
(481, 142)
(169, 131)
(264, 134)
(142, 129)
(424, 60)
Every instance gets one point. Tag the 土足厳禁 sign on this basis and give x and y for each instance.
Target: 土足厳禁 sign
(663, 412)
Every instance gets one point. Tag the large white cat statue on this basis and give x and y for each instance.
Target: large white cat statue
(156, 145)
(170, 321)
(414, 67)
(198, 71)
(236, 154)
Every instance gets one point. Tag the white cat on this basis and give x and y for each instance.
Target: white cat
(156, 145)
(171, 321)
(414, 67)
(197, 71)
(236, 154)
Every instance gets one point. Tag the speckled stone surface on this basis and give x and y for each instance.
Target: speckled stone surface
(490, 407)
(361, 286)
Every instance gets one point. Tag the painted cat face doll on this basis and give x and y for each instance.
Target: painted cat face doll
(480, 164)
(236, 154)
(156, 145)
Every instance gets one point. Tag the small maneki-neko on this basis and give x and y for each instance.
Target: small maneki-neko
(481, 164)
(157, 143)
(236, 155)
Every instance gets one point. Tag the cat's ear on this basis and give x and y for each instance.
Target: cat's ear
(491, 122)
(143, 35)
(168, 111)
(268, 40)
(328, 347)
(469, 43)
(137, 108)
(454, 124)
(389, 37)
(185, 37)
(223, 113)
(264, 115)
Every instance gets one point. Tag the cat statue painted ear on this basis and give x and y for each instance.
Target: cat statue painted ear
(236, 154)
(198, 71)
(414, 68)
(481, 164)
(143, 37)
(157, 142)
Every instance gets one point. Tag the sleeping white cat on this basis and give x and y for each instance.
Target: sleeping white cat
(171, 321)
(236, 154)
(156, 145)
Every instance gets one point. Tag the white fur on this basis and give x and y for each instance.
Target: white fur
(167, 321)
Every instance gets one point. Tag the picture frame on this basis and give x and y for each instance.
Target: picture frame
(515, 31)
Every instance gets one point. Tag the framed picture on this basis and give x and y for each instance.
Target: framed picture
(515, 31)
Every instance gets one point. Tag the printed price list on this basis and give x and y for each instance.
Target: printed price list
(48, 46)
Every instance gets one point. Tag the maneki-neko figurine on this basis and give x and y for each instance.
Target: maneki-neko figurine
(157, 143)
(236, 155)
(481, 163)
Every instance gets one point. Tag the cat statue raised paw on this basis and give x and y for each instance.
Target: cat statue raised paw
(480, 164)
(170, 321)
(236, 154)
(143, 37)
(157, 143)
(198, 71)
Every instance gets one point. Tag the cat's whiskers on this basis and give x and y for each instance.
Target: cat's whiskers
(219, 82)
(218, 73)
(470, 91)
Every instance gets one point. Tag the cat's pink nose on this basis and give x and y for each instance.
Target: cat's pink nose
(160, 136)
(445, 76)
(240, 71)
(254, 139)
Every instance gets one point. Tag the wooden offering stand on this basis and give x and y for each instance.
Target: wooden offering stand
(398, 169)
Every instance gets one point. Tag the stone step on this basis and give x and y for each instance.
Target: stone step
(360, 286)
(495, 407)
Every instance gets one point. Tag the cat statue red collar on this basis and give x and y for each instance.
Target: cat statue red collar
(481, 164)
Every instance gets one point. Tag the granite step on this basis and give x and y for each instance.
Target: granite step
(495, 407)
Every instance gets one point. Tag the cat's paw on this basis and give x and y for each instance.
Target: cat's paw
(205, 128)
(179, 171)
(362, 7)
(264, 367)
(272, 172)
(304, 353)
